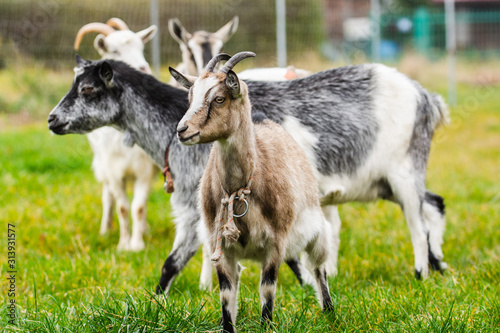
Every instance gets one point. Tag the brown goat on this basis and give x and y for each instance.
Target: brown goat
(255, 165)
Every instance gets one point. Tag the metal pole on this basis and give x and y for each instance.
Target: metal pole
(375, 27)
(281, 32)
(155, 43)
(451, 47)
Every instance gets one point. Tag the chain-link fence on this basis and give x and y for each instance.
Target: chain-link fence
(45, 30)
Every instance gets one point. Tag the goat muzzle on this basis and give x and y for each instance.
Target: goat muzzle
(181, 130)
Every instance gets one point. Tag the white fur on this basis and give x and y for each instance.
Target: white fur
(197, 54)
(78, 71)
(271, 74)
(395, 102)
(206, 269)
(395, 116)
(200, 98)
(304, 138)
(115, 164)
(126, 46)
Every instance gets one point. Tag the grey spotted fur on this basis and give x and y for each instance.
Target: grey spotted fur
(336, 105)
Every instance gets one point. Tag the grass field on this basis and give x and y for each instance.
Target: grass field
(70, 279)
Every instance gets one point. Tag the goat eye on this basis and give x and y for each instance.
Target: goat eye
(87, 90)
(219, 100)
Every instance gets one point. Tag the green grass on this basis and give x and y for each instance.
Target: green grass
(70, 279)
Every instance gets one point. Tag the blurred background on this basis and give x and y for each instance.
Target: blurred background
(316, 34)
(339, 30)
(48, 190)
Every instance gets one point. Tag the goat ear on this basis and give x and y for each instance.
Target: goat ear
(80, 61)
(184, 80)
(106, 74)
(233, 83)
(147, 34)
(178, 32)
(100, 44)
(228, 30)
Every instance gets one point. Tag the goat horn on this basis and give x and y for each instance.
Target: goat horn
(92, 27)
(117, 23)
(236, 59)
(215, 60)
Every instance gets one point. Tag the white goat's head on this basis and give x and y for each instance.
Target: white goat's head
(122, 44)
(199, 47)
(218, 102)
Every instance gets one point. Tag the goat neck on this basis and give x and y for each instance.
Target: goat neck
(236, 155)
(146, 125)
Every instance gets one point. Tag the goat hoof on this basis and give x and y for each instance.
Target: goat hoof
(329, 308)
(123, 246)
(159, 290)
(205, 286)
(422, 273)
(435, 261)
(137, 245)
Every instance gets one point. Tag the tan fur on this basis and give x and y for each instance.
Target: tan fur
(283, 190)
(270, 190)
(282, 175)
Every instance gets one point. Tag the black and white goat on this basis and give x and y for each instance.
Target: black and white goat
(115, 164)
(251, 163)
(366, 130)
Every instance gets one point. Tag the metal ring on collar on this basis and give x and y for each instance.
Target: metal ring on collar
(246, 209)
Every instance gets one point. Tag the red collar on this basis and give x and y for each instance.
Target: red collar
(167, 177)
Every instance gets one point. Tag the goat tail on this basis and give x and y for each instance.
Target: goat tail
(440, 113)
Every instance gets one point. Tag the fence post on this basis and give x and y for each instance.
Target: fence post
(154, 16)
(451, 47)
(281, 32)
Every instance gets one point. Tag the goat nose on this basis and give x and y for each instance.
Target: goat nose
(51, 118)
(181, 129)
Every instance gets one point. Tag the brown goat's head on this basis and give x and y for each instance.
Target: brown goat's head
(216, 101)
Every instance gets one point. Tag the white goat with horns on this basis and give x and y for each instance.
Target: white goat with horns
(114, 163)
(251, 162)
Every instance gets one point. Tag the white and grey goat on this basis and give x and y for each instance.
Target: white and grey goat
(199, 47)
(115, 164)
(366, 129)
(251, 163)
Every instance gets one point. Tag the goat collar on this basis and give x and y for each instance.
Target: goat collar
(228, 228)
(168, 184)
